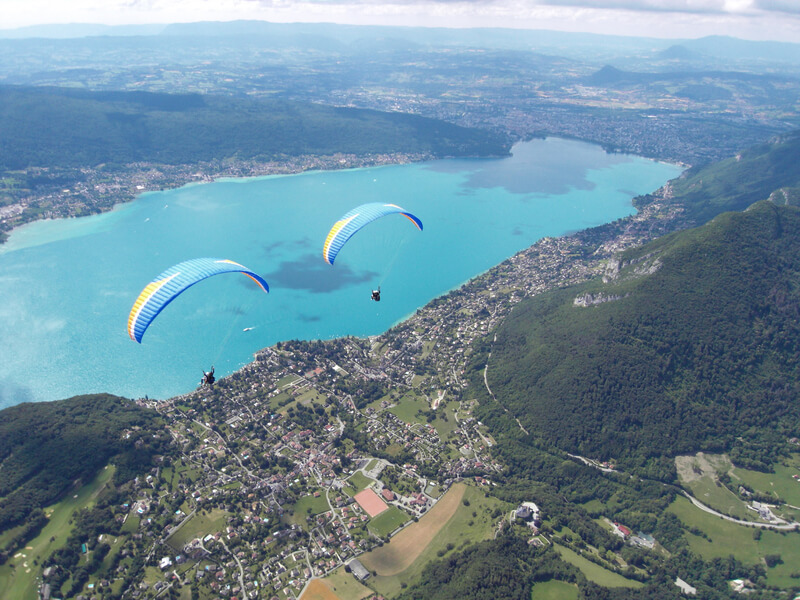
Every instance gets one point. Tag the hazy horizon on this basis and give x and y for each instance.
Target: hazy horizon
(757, 20)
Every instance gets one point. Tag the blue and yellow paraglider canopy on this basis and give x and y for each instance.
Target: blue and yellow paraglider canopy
(172, 282)
(353, 221)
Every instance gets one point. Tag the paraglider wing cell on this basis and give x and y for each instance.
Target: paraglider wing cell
(354, 220)
(166, 287)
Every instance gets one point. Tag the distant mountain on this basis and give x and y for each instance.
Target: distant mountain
(610, 76)
(676, 52)
(734, 48)
(58, 127)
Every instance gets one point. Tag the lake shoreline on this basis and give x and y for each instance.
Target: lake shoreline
(95, 267)
(91, 196)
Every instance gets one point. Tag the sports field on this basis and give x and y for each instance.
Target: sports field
(370, 502)
(388, 521)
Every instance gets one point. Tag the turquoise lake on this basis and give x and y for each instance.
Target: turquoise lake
(66, 287)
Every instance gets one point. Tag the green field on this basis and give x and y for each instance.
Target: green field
(287, 380)
(131, 523)
(720, 498)
(554, 590)
(388, 521)
(346, 586)
(301, 508)
(407, 407)
(445, 428)
(728, 538)
(199, 525)
(9, 534)
(780, 483)
(18, 575)
(594, 572)
(594, 507)
(311, 396)
(359, 481)
(457, 532)
(394, 449)
(279, 401)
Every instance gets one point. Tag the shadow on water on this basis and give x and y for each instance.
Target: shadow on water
(310, 273)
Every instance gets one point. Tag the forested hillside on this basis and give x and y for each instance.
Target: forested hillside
(690, 343)
(59, 127)
(46, 447)
(738, 182)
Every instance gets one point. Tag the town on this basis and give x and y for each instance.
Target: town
(310, 460)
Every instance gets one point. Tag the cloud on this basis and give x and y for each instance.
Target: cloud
(785, 6)
(681, 6)
(749, 19)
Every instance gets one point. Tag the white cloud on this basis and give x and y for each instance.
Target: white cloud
(752, 19)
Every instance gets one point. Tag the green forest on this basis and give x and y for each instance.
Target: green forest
(66, 128)
(46, 447)
(693, 343)
(757, 173)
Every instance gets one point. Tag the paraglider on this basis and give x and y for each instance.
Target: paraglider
(354, 220)
(166, 287)
(208, 377)
(376, 294)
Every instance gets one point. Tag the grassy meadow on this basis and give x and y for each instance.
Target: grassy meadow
(725, 538)
(554, 590)
(594, 572)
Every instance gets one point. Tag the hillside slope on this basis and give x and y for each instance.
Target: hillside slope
(46, 447)
(59, 127)
(690, 342)
(736, 183)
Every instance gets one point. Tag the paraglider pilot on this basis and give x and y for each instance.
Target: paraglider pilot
(376, 294)
(208, 377)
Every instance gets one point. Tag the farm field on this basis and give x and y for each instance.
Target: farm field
(726, 538)
(345, 586)
(317, 590)
(20, 582)
(449, 525)
(594, 572)
(554, 590)
(199, 525)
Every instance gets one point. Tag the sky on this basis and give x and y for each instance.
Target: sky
(775, 20)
